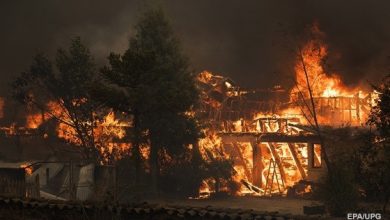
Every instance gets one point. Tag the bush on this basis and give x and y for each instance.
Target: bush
(338, 191)
(182, 179)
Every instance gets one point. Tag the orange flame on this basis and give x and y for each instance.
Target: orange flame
(34, 120)
(335, 102)
(28, 169)
(107, 132)
(311, 57)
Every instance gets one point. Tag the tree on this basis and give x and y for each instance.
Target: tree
(158, 90)
(376, 156)
(339, 192)
(380, 114)
(63, 92)
(184, 174)
(361, 160)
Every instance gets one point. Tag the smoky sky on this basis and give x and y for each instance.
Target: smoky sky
(249, 41)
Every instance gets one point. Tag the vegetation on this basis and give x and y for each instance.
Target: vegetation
(376, 156)
(154, 86)
(339, 189)
(360, 161)
(338, 192)
(64, 92)
(150, 84)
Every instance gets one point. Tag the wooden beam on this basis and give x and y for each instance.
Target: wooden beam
(231, 138)
(284, 138)
(316, 160)
(228, 137)
(258, 165)
(246, 169)
(296, 160)
(312, 159)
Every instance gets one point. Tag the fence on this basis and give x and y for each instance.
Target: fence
(12, 182)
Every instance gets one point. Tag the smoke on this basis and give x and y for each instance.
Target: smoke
(249, 41)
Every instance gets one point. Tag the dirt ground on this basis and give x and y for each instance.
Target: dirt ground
(275, 204)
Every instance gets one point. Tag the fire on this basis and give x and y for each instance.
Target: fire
(211, 143)
(205, 77)
(28, 169)
(34, 120)
(242, 152)
(53, 109)
(107, 132)
(284, 164)
(311, 57)
(335, 102)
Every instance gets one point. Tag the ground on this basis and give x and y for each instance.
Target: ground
(281, 205)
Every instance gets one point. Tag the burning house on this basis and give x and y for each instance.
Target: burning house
(275, 147)
(270, 152)
(271, 134)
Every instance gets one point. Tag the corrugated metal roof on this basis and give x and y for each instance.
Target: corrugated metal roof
(138, 211)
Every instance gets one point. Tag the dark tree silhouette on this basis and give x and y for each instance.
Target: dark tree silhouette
(68, 85)
(153, 84)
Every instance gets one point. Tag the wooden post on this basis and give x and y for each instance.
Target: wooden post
(296, 160)
(246, 170)
(350, 109)
(47, 176)
(358, 108)
(310, 155)
(71, 197)
(115, 183)
(257, 172)
(37, 189)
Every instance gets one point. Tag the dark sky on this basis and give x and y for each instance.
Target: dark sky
(249, 41)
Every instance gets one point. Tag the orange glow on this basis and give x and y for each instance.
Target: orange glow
(27, 168)
(107, 133)
(205, 77)
(335, 102)
(211, 143)
(323, 84)
(34, 120)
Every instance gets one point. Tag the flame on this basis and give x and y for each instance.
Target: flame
(205, 77)
(12, 130)
(335, 102)
(107, 135)
(34, 120)
(28, 169)
(212, 143)
(107, 132)
(311, 58)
